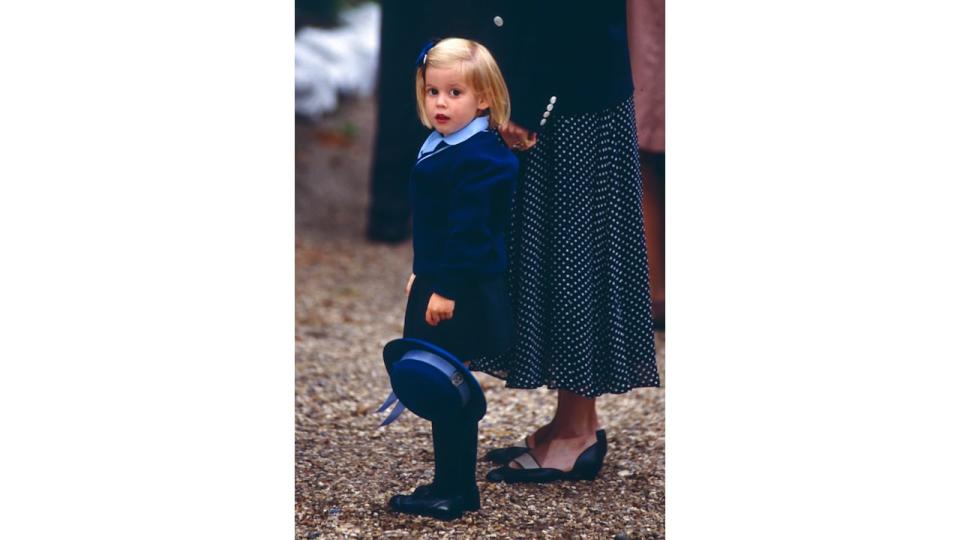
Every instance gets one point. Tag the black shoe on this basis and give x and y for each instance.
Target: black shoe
(454, 487)
(587, 467)
(471, 500)
(429, 503)
(425, 490)
(502, 456)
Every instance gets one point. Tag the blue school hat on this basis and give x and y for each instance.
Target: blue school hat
(431, 382)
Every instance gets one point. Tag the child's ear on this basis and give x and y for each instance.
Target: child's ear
(482, 103)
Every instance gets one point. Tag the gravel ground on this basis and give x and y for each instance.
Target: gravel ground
(350, 302)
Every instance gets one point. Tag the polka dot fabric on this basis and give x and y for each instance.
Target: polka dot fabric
(578, 262)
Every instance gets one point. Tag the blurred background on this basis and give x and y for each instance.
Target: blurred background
(357, 134)
(336, 58)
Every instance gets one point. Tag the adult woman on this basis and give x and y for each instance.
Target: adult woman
(578, 264)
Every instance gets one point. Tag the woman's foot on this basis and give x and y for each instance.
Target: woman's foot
(502, 456)
(526, 468)
(541, 435)
(558, 444)
(560, 451)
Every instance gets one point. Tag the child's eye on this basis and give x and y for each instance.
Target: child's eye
(432, 92)
(455, 92)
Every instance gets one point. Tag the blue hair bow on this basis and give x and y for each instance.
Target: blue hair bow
(422, 57)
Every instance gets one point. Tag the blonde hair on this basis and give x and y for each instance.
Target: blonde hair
(480, 69)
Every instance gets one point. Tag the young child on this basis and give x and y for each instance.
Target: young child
(460, 190)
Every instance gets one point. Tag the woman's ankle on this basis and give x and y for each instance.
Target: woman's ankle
(540, 435)
(574, 431)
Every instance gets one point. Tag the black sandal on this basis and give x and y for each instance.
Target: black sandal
(587, 467)
(502, 456)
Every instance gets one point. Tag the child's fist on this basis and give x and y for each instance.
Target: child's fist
(410, 283)
(439, 309)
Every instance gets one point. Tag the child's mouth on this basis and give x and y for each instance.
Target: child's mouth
(441, 118)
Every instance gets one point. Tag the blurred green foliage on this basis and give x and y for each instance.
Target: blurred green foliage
(349, 130)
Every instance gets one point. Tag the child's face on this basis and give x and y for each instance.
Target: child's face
(450, 102)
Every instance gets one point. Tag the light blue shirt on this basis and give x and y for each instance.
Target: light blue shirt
(477, 125)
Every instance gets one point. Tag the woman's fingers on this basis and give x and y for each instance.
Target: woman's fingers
(517, 137)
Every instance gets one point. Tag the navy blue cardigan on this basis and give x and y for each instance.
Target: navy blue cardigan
(572, 55)
(460, 197)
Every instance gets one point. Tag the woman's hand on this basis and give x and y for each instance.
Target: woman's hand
(517, 137)
(439, 309)
(410, 283)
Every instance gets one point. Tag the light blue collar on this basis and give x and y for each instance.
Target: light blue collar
(478, 124)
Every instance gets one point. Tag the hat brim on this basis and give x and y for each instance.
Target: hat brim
(396, 349)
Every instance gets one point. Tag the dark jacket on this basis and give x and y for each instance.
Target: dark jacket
(573, 51)
(461, 199)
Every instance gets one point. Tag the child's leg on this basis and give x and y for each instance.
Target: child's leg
(454, 487)
(455, 454)
(467, 457)
(444, 454)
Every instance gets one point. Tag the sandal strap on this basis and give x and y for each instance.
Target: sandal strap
(527, 461)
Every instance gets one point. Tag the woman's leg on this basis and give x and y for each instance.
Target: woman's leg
(652, 165)
(572, 430)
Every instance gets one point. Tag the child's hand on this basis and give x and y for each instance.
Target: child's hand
(410, 283)
(517, 137)
(439, 309)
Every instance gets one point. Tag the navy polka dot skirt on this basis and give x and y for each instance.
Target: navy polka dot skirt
(578, 263)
